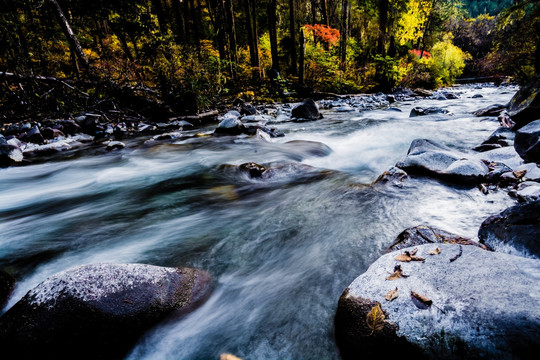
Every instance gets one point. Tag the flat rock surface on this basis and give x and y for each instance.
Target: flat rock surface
(484, 304)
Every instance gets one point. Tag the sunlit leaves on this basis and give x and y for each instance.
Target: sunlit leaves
(375, 319)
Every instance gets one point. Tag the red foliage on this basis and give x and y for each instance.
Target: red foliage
(419, 54)
(324, 33)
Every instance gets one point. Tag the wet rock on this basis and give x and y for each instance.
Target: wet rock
(424, 234)
(254, 129)
(49, 133)
(517, 226)
(391, 99)
(451, 96)
(34, 136)
(115, 145)
(308, 110)
(477, 96)
(393, 176)
(527, 191)
(422, 92)
(98, 310)
(496, 171)
(505, 155)
(428, 158)
(524, 107)
(252, 169)
(13, 129)
(7, 284)
(69, 127)
(492, 110)
(418, 111)
(481, 305)
(527, 142)
(247, 109)
(230, 125)
(501, 137)
(9, 153)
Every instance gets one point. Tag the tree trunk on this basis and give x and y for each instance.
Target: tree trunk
(162, 22)
(179, 22)
(302, 54)
(292, 32)
(231, 30)
(251, 31)
(324, 12)
(383, 26)
(344, 33)
(68, 32)
(272, 20)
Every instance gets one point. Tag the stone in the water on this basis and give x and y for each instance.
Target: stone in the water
(115, 145)
(230, 125)
(517, 227)
(254, 170)
(394, 176)
(527, 142)
(451, 96)
(527, 191)
(492, 110)
(34, 136)
(97, 310)
(427, 157)
(524, 107)
(419, 111)
(308, 110)
(501, 137)
(424, 234)
(484, 305)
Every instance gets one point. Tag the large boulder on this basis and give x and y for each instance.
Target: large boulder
(524, 107)
(462, 303)
(424, 234)
(517, 226)
(308, 110)
(97, 311)
(527, 141)
(427, 157)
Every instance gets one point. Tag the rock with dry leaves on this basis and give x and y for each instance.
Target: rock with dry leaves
(425, 234)
(460, 302)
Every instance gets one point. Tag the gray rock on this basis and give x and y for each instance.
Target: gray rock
(9, 153)
(492, 110)
(501, 137)
(424, 234)
(418, 111)
(524, 107)
(527, 142)
(115, 145)
(393, 176)
(230, 125)
(532, 171)
(98, 310)
(308, 110)
(34, 136)
(426, 157)
(505, 155)
(484, 305)
(516, 228)
(451, 96)
(528, 191)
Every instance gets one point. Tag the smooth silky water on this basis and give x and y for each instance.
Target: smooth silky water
(280, 252)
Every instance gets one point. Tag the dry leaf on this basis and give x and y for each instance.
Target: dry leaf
(519, 174)
(420, 301)
(398, 273)
(375, 319)
(228, 357)
(392, 294)
(403, 257)
(417, 258)
(415, 250)
(437, 251)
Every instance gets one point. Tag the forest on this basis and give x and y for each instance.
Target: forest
(163, 57)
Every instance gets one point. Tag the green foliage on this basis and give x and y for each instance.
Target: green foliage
(447, 62)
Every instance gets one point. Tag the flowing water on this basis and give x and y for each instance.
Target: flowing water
(280, 251)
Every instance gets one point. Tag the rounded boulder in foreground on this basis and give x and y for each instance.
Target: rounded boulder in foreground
(476, 304)
(97, 311)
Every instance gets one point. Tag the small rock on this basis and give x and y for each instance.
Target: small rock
(115, 145)
(451, 96)
(49, 133)
(252, 169)
(492, 110)
(418, 111)
(308, 110)
(477, 96)
(394, 176)
(34, 136)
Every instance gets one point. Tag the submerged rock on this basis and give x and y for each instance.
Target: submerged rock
(424, 234)
(427, 157)
(517, 227)
(98, 310)
(462, 303)
(308, 110)
(527, 142)
(393, 176)
(418, 111)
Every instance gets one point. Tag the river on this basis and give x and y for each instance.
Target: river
(281, 252)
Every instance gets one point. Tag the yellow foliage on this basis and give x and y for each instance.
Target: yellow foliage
(412, 23)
